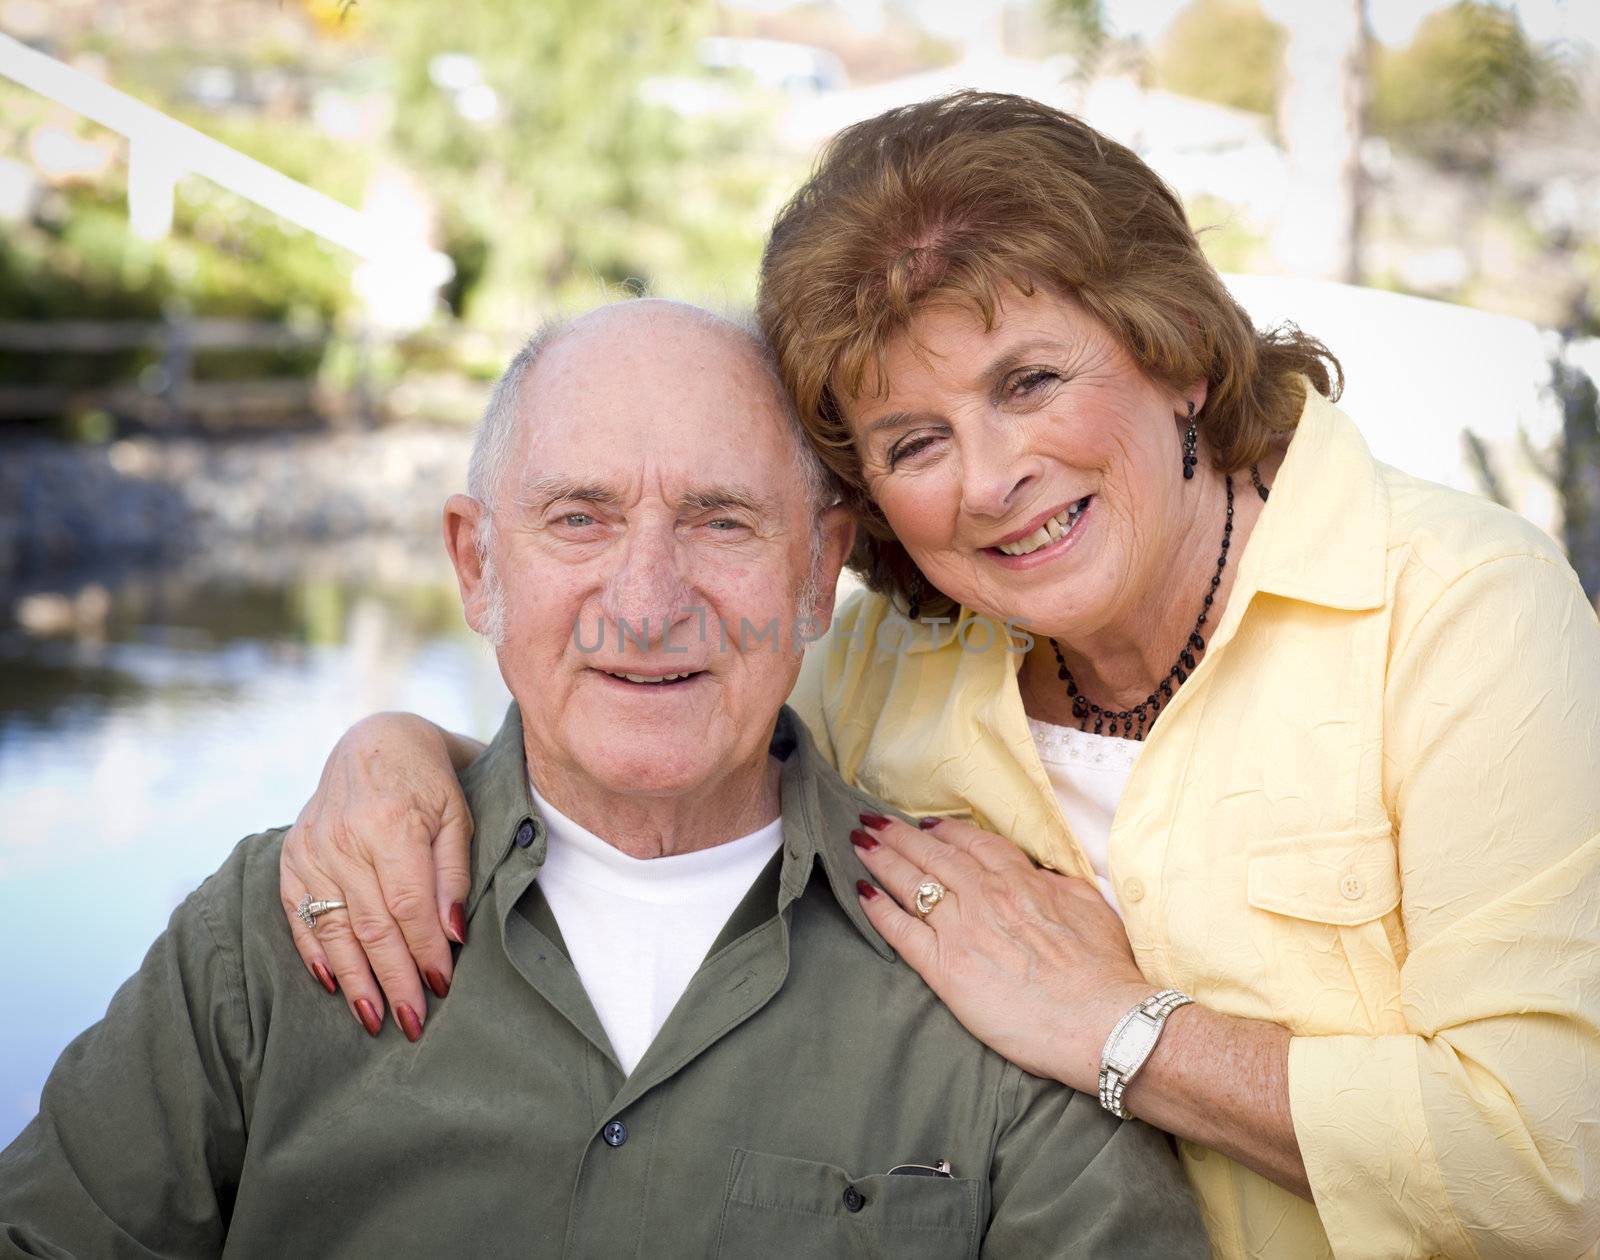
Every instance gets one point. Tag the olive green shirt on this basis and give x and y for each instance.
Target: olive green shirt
(226, 1105)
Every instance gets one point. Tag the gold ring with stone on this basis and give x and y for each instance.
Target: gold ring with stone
(930, 892)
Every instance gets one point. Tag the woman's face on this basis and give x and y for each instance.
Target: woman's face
(1032, 471)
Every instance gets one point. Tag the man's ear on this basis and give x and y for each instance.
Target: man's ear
(838, 529)
(462, 517)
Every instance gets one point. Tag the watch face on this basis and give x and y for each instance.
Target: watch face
(1133, 1043)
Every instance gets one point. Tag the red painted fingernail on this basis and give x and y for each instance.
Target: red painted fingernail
(863, 841)
(875, 821)
(409, 1023)
(928, 824)
(368, 1017)
(436, 982)
(458, 923)
(324, 977)
(866, 889)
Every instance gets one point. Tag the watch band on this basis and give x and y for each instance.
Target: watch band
(1131, 1041)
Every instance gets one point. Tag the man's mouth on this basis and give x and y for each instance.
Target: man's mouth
(653, 680)
(1054, 528)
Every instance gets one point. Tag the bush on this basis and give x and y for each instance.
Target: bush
(1227, 51)
(1469, 75)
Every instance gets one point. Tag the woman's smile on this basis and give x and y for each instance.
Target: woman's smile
(1035, 545)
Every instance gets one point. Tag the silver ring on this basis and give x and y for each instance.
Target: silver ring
(930, 892)
(309, 910)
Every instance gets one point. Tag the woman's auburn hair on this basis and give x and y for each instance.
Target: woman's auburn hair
(965, 195)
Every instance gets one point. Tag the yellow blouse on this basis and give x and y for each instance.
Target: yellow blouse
(1372, 815)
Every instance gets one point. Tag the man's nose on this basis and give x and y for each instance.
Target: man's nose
(649, 588)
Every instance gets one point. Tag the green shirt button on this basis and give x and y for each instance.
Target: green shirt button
(854, 1200)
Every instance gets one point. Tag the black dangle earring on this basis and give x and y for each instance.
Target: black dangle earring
(914, 608)
(1191, 437)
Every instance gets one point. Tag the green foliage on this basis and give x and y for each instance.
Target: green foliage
(1084, 25)
(226, 258)
(579, 181)
(1469, 75)
(1227, 51)
(1230, 243)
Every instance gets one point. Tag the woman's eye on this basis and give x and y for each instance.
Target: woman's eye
(909, 447)
(1033, 379)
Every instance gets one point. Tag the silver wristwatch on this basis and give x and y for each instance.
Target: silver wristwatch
(1130, 1044)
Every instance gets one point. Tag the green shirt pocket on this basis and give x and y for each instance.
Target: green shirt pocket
(796, 1208)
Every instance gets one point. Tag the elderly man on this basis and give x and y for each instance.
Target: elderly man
(672, 1030)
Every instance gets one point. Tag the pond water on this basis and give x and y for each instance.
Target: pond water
(197, 710)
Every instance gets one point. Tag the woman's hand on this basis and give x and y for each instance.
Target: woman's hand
(1036, 965)
(388, 832)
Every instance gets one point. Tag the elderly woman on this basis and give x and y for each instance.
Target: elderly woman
(1304, 744)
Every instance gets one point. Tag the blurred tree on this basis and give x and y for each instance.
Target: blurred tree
(1227, 51)
(1576, 471)
(1320, 120)
(531, 126)
(1083, 22)
(1468, 77)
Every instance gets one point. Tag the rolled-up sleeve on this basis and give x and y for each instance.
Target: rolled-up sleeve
(1478, 1135)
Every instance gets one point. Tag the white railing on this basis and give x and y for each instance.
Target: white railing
(161, 150)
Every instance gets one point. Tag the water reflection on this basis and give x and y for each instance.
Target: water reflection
(135, 753)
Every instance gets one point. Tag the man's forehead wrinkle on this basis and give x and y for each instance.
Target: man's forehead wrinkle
(647, 481)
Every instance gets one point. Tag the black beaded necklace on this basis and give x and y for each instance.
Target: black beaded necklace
(1136, 722)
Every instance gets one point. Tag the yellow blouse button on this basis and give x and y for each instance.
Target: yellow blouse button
(1351, 886)
(1133, 890)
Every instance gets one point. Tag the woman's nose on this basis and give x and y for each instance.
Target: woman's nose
(994, 477)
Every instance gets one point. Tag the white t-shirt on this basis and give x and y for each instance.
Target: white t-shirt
(637, 929)
(1089, 773)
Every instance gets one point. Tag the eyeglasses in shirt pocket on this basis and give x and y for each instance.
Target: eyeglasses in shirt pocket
(777, 1205)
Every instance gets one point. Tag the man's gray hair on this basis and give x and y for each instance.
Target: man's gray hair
(497, 438)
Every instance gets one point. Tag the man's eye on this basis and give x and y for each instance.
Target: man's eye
(725, 523)
(577, 520)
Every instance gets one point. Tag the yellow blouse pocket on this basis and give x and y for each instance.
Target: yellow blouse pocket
(798, 1209)
(1341, 877)
(1337, 944)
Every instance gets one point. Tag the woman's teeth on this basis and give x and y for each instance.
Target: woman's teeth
(1047, 533)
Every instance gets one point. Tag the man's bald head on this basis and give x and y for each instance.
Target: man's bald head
(596, 341)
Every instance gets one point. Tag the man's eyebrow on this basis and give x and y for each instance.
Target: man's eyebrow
(543, 491)
(718, 498)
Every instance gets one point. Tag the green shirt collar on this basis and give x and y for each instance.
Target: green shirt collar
(819, 812)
